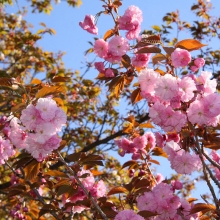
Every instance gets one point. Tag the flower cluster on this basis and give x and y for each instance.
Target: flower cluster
(137, 145)
(181, 161)
(131, 21)
(37, 129)
(113, 50)
(163, 201)
(167, 96)
(97, 190)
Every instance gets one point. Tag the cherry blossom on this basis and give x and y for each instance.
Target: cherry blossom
(89, 24)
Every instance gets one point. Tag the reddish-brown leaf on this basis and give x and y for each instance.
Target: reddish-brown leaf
(146, 125)
(149, 50)
(126, 61)
(52, 90)
(109, 34)
(202, 207)
(155, 161)
(158, 58)
(129, 163)
(157, 151)
(32, 169)
(147, 214)
(116, 190)
(169, 50)
(190, 44)
(56, 173)
(60, 79)
(136, 96)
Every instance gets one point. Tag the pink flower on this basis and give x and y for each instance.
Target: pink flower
(166, 87)
(128, 215)
(47, 108)
(186, 163)
(140, 142)
(196, 113)
(141, 60)
(100, 66)
(109, 73)
(151, 140)
(211, 105)
(147, 79)
(194, 69)
(176, 184)
(130, 21)
(186, 88)
(89, 24)
(111, 58)
(101, 48)
(98, 189)
(180, 58)
(6, 150)
(199, 62)
(118, 46)
(208, 86)
(147, 202)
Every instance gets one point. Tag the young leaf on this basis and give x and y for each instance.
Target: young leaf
(158, 58)
(32, 169)
(159, 152)
(202, 207)
(136, 96)
(146, 125)
(190, 44)
(108, 34)
(149, 50)
(52, 90)
(56, 173)
(147, 214)
(126, 61)
(129, 163)
(116, 190)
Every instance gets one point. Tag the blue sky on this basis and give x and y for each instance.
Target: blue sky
(71, 39)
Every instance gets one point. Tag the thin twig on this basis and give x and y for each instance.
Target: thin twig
(206, 176)
(82, 186)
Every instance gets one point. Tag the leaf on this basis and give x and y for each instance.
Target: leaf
(96, 172)
(149, 50)
(117, 84)
(169, 50)
(126, 61)
(56, 173)
(158, 58)
(63, 189)
(47, 208)
(52, 31)
(136, 96)
(152, 39)
(74, 157)
(147, 214)
(52, 90)
(129, 163)
(116, 190)
(109, 212)
(202, 207)
(155, 161)
(189, 44)
(61, 79)
(109, 34)
(18, 108)
(161, 72)
(142, 183)
(157, 151)
(42, 24)
(4, 81)
(146, 125)
(36, 81)
(32, 169)
(156, 28)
